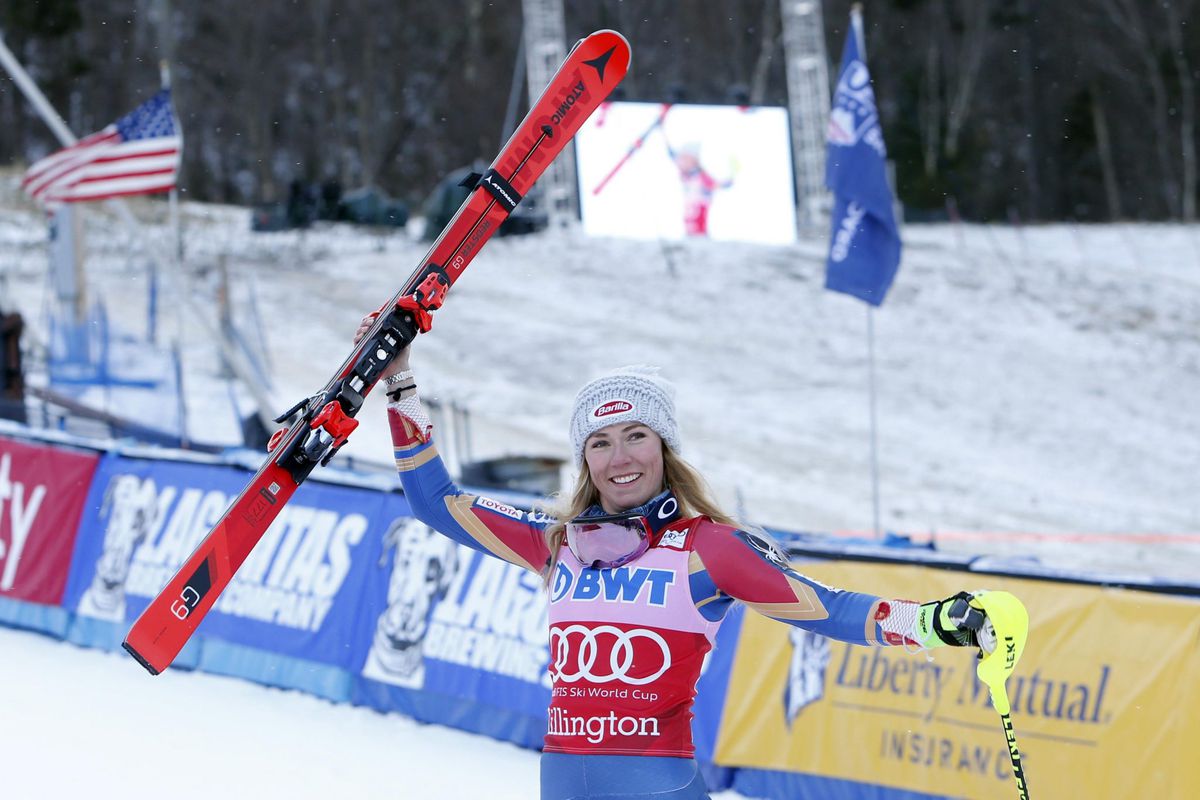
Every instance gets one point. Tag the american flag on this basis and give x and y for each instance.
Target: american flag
(137, 154)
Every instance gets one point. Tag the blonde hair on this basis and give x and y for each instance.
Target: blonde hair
(685, 482)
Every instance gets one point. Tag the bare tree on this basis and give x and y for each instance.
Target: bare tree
(1045, 106)
(1029, 151)
(1176, 12)
(1108, 168)
(769, 44)
(1127, 18)
(964, 73)
(929, 107)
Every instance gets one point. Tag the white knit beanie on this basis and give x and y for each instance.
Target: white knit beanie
(629, 394)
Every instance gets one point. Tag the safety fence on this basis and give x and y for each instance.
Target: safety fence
(349, 598)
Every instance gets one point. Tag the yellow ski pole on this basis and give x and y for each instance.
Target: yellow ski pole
(1009, 628)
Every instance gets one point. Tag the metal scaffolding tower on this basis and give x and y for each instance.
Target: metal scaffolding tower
(545, 49)
(808, 104)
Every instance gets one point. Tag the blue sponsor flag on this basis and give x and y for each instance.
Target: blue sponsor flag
(864, 246)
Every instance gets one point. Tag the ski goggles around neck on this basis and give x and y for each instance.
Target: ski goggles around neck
(608, 541)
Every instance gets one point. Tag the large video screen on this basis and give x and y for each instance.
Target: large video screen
(655, 171)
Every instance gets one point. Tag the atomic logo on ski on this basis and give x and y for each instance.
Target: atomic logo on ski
(600, 62)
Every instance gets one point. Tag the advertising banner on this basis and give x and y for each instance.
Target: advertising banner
(299, 593)
(1105, 700)
(42, 491)
(457, 637)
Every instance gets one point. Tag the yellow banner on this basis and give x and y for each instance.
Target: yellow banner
(1105, 700)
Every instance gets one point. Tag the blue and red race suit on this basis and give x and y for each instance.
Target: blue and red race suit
(627, 644)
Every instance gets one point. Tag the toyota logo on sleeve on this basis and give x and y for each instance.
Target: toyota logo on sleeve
(577, 649)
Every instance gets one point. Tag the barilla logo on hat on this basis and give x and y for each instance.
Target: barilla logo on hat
(614, 407)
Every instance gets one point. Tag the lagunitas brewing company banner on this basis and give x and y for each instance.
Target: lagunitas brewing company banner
(42, 491)
(1105, 700)
(299, 593)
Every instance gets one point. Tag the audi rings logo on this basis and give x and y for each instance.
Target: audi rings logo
(577, 651)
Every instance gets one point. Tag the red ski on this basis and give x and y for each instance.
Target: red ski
(323, 421)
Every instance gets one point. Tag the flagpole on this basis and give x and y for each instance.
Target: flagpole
(34, 95)
(874, 430)
(166, 45)
(164, 70)
(73, 217)
(856, 24)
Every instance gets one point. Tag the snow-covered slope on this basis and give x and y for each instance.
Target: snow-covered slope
(1033, 384)
(1036, 392)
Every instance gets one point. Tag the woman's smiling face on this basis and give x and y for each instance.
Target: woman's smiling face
(626, 464)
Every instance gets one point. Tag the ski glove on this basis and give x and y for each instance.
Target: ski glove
(958, 621)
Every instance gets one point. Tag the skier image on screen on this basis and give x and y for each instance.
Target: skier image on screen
(699, 187)
(641, 566)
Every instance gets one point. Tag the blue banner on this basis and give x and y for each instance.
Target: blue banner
(300, 593)
(864, 247)
(461, 639)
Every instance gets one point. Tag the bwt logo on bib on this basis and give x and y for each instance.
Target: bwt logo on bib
(615, 407)
(619, 585)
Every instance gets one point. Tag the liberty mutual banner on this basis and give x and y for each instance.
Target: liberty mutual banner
(864, 248)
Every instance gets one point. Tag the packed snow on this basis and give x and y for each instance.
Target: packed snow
(86, 723)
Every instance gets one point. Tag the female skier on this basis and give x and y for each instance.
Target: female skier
(699, 187)
(641, 566)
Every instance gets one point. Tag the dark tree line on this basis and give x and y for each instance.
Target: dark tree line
(993, 109)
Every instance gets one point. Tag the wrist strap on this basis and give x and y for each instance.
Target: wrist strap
(393, 395)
